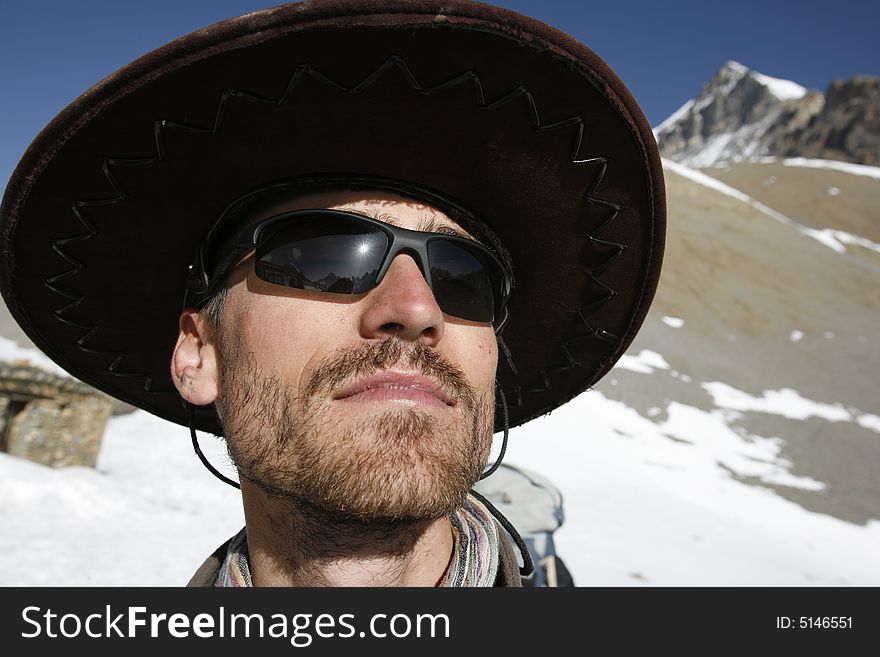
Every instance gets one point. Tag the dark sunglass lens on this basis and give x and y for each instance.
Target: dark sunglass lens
(463, 286)
(322, 253)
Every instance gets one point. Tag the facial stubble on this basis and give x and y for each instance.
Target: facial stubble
(392, 466)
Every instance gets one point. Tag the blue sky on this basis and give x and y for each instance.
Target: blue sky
(50, 51)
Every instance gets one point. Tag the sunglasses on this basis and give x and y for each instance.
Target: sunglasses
(339, 252)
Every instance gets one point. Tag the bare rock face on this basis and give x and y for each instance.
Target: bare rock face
(847, 128)
(49, 419)
(793, 119)
(741, 114)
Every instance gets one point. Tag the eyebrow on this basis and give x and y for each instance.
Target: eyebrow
(427, 223)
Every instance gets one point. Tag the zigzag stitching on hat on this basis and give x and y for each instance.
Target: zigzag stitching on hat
(618, 248)
(77, 266)
(394, 61)
(591, 332)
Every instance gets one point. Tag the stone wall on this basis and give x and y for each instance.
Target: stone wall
(50, 419)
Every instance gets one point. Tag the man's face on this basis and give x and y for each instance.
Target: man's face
(372, 407)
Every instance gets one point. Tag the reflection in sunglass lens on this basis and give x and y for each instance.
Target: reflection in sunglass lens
(461, 282)
(322, 254)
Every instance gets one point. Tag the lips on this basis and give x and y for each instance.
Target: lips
(409, 388)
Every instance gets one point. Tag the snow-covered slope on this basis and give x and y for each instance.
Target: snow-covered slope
(647, 503)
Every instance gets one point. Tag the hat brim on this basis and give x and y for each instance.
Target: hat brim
(514, 120)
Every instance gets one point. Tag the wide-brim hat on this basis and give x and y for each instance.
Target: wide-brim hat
(510, 118)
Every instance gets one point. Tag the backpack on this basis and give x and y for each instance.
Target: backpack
(533, 505)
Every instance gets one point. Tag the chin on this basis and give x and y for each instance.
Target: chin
(398, 466)
(403, 464)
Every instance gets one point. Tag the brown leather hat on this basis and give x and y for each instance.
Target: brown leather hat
(503, 115)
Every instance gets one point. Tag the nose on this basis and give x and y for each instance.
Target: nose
(402, 305)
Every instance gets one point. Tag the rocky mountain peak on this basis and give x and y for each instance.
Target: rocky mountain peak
(728, 118)
(741, 114)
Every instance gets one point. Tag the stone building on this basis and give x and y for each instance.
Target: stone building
(50, 419)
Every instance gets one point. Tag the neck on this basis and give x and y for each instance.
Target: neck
(296, 544)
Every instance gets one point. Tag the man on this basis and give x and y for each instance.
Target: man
(338, 194)
(357, 422)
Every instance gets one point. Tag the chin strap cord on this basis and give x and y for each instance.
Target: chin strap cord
(506, 351)
(205, 462)
(506, 417)
(528, 568)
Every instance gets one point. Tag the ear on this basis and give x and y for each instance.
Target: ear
(194, 366)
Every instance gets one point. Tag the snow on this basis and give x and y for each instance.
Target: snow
(148, 515)
(838, 239)
(743, 144)
(736, 67)
(645, 363)
(785, 402)
(836, 165)
(869, 421)
(674, 322)
(654, 500)
(674, 118)
(705, 180)
(643, 507)
(782, 89)
(826, 238)
(715, 443)
(694, 106)
(10, 351)
(716, 148)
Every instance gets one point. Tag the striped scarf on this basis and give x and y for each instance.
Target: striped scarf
(474, 555)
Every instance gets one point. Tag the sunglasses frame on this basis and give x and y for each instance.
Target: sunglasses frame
(399, 240)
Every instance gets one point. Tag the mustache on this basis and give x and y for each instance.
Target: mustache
(365, 359)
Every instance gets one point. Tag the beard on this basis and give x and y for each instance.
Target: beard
(379, 467)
